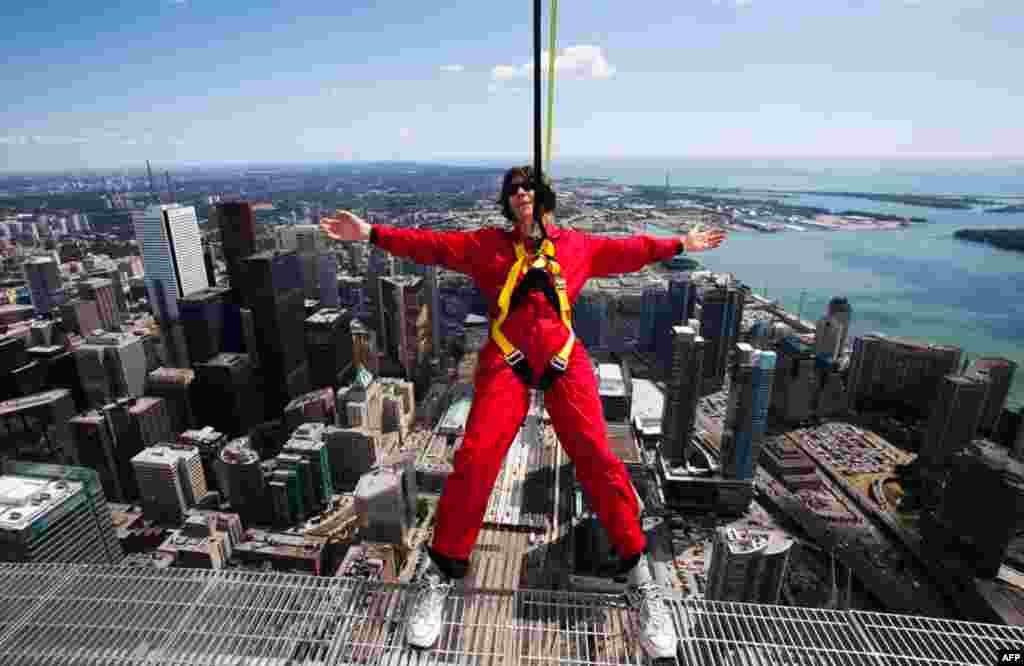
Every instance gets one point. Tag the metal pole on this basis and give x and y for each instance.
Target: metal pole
(537, 138)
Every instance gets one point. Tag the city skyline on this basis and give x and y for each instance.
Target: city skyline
(184, 81)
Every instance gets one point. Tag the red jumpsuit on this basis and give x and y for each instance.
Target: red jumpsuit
(501, 399)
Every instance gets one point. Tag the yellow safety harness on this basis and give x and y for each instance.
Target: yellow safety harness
(543, 260)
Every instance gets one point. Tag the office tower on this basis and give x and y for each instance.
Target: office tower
(170, 479)
(327, 280)
(242, 480)
(722, 314)
(386, 500)
(96, 447)
(273, 290)
(174, 385)
(398, 405)
(748, 565)
(680, 410)
(316, 406)
(351, 292)
(839, 312)
(796, 387)
(43, 333)
(364, 347)
(111, 365)
(615, 389)
(746, 419)
(55, 514)
(307, 443)
(237, 223)
(113, 273)
(589, 321)
(172, 253)
(289, 490)
(360, 404)
(36, 427)
(328, 345)
(210, 261)
(983, 478)
(954, 419)
(352, 452)
(654, 295)
(379, 264)
(433, 297)
(406, 325)
(999, 372)
(137, 423)
(886, 370)
(61, 371)
(26, 380)
(43, 277)
(208, 442)
(224, 396)
(102, 293)
(202, 318)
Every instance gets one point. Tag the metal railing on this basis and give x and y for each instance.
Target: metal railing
(121, 616)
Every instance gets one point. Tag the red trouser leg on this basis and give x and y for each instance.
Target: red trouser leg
(500, 403)
(575, 409)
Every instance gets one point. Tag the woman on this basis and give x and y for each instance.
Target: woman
(530, 284)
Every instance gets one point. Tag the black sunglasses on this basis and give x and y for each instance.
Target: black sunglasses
(513, 187)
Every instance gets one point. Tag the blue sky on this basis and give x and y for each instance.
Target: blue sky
(108, 84)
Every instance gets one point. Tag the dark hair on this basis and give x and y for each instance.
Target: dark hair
(542, 192)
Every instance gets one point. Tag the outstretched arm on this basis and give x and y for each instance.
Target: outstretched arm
(612, 256)
(456, 250)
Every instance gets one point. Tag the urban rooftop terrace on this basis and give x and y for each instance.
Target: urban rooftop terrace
(84, 615)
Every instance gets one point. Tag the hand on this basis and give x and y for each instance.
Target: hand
(345, 226)
(698, 241)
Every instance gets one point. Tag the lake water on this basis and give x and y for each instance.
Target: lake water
(918, 282)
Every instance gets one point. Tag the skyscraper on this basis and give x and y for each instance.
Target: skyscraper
(36, 427)
(721, 315)
(237, 223)
(379, 264)
(225, 397)
(55, 514)
(79, 316)
(748, 565)
(273, 290)
(102, 293)
(96, 446)
(329, 345)
(43, 277)
(999, 372)
(170, 480)
(795, 389)
(954, 419)
(242, 479)
(202, 318)
(433, 297)
(405, 325)
(889, 370)
(111, 365)
(746, 419)
(172, 253)
(174, 385)
(685, 377)
(839, 312)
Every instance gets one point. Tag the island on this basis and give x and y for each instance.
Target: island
(956, 202)
(1006, 239)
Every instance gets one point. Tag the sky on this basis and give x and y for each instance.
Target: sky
(103, 84)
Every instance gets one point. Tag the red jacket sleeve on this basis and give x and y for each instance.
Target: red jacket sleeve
(459, 251)
(612, 256)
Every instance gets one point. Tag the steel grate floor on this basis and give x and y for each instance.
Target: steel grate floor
(120, 616)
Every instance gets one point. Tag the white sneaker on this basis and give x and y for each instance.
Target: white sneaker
(657, 633)
(426, 617)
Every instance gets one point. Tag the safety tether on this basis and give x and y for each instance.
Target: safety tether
(552, 31)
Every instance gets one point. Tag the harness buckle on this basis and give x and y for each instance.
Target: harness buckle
(558, 364)
(513, 357)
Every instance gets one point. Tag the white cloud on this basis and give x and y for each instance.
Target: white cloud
(452, 68)
(49, 140)
(582, 61)
(738, 4)
(405, 133)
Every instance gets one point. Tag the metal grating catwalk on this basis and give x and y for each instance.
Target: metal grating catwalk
(120, 616)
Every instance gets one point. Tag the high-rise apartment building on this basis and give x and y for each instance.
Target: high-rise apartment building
(999, 372)
(172, 253)
(44, 283)
(955, 415)
(888, 371)
(685, 379)
(202, 318)
(237, 224)
(746, 418)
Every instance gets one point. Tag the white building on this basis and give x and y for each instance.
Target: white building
(172, 254)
